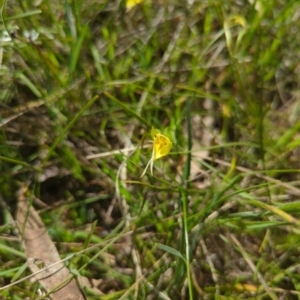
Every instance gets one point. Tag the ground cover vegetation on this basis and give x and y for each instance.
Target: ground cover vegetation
(82, 85)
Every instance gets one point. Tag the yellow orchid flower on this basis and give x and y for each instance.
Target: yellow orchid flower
(161, 147)
(131, 3)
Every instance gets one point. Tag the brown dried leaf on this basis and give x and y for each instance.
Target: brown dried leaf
(41, 252)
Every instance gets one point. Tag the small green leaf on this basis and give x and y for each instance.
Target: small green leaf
(170, 250)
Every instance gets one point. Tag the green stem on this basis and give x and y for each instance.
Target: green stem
(184, 197)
